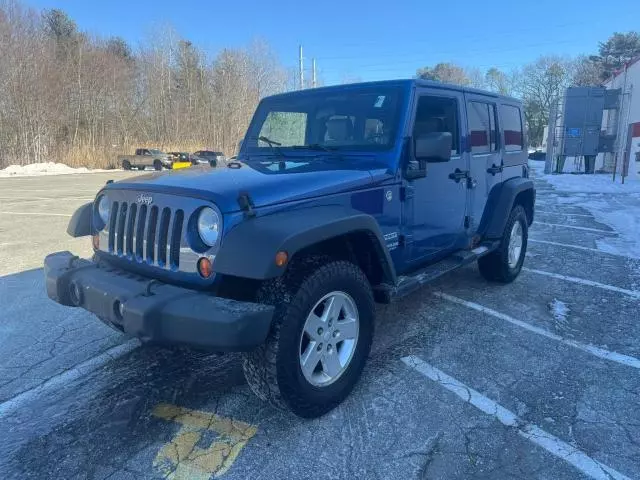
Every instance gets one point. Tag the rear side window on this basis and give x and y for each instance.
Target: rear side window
(512, 125)
(494, 130)
(479, 127)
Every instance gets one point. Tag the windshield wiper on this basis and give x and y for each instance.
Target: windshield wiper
(269, 142)
(272, 144)
(314, 146)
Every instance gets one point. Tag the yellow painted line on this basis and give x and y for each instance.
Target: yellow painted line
(183, 459)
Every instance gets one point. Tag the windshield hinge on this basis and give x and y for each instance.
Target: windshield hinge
(246, 205)
(406, 192)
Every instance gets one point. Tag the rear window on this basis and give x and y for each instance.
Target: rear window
(512, 124)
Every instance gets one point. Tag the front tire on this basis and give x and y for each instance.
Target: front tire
(504, 264)
(319, 341)
(157, 165)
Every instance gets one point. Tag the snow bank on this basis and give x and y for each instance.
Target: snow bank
(581, 183)
(596, 183)
(48, 168)
(621, 214)
(611, 203)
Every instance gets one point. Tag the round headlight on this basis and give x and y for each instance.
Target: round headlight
(104, 207)
(209, 226)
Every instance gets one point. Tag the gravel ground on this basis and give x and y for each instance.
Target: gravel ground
(537, 379)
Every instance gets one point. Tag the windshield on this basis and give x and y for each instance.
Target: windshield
(352, 119)
(154, 151)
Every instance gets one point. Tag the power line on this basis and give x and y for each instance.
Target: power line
(482, 37)
(441, 52)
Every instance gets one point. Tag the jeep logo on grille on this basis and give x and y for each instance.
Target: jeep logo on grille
(144, 199)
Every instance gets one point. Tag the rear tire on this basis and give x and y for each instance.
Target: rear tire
(157, 165)
(126, 165)
(504, 264)
(274, 370)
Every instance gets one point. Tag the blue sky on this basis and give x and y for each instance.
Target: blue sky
(373, 39)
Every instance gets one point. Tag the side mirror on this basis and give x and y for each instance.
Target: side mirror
(433, 147)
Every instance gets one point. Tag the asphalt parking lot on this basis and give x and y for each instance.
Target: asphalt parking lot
(538, 379)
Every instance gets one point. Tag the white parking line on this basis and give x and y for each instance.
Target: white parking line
(73, 373)
(564, 213)
(584, 281)
(46, 199)
(611, 232)
(593, 350)
(552, 444)
(45, 214)
(578, 247)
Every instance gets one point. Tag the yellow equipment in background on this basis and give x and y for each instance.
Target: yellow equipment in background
(177, 165)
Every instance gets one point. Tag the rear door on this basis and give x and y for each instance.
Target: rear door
(512, 125)
(484, 145)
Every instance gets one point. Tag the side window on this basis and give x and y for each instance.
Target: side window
(286, 128)
(512, 125)
(479, 127)
(494, 131)
(438, 114)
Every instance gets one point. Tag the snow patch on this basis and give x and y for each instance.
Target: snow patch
(559, 310)
(46, 168)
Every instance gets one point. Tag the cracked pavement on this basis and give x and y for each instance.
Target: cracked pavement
(122, 419)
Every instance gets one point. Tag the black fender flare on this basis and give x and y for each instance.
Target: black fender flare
(499, 204)
(249, 249)
(81, 223)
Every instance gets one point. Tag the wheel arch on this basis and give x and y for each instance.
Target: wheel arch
(248, 251)
(501, 200)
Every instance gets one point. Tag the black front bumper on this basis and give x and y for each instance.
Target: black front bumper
(154, 311)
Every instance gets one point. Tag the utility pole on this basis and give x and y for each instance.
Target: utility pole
(551, 136)
(301, 69)
(313, 73)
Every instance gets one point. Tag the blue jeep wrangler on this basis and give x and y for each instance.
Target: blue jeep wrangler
(339, 197)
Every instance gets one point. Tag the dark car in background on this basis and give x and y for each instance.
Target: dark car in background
(538, 155)
(211, 157)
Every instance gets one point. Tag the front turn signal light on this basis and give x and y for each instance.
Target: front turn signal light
(205, 268)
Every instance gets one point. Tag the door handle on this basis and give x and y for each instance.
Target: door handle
(493, 169)
(458, 175)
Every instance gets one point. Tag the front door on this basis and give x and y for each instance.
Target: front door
(436, 204)
(485, 158)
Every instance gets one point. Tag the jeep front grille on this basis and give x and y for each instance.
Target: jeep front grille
(144, 233)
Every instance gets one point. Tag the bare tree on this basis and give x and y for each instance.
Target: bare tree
(586, 72)
(540, 84)
(71, 97)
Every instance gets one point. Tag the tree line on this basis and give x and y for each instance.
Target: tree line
(67, 96)
(542, 82)
(72, 97)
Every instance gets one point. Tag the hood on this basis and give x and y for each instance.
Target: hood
(266, 182)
